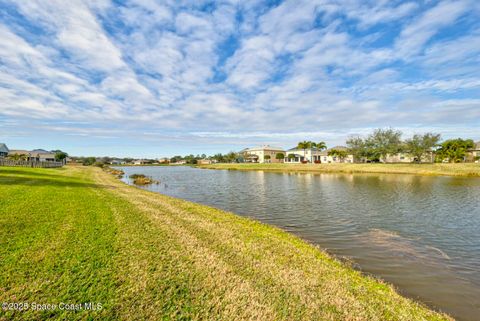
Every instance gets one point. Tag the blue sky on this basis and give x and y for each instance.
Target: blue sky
(150, 78)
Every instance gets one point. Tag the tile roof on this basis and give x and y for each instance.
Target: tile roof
(265, 147)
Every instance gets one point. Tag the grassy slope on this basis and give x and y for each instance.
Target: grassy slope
(79, 235)
(468, 169)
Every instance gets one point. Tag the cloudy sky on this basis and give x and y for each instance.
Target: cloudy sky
(151, 78)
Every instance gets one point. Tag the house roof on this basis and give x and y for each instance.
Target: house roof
(46, 154)
(338, 148)
(3, 148)
(296, 155)
(265, 147)
(301, 149)
(18, 152)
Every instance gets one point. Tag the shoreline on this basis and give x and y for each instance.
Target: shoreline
(454, 170)
(226, 266)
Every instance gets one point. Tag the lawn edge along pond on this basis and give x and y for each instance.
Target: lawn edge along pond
(459, 169)
(78, 234)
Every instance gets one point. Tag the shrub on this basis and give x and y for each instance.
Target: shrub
(140, 179)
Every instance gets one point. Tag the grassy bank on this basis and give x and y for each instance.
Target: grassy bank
(78, 235)
(468, 169)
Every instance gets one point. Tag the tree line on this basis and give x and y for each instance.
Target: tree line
(422, 147)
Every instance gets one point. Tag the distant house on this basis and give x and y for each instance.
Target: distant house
(24, 154)
(297, 155)
(46, 157)
(38, 155)
(407, 158)
(140, 162)
(262, 154)
(117, 162)
(204, 161)
(317, 156)
(327, 157)
(180, 162)
(3, 150)
(164, 160)
(474, 153)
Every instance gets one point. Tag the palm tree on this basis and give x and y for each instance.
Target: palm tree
(319, 146)
(304, 145)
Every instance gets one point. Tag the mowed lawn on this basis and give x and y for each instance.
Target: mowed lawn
(77, 235)
(459, 169)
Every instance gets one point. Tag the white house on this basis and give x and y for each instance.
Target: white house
(474, 153)
(263, 154)
(327, 156)
(296, 155)
(314, 155)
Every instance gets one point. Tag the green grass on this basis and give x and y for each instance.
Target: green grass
(461, 169)
(78, 235)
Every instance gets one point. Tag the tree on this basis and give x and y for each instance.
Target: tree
(231, 157)
(88, 161)
(280, 156)
(454, 150)
(383, 142)
(341, 154)
(291, 156)
(219, 158)
(18, 157)
(321, 146)
(267, 157)
(60, 156)
(175, 159)
(357, 147)
(419, 145)
(305, 145)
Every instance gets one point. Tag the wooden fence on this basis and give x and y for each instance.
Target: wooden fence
(21, 163)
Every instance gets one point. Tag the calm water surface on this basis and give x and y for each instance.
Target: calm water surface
(421, 234)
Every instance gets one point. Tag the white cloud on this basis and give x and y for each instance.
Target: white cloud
(295, 68)
(414, 36)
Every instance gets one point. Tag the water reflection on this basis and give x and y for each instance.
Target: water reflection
(420, 233)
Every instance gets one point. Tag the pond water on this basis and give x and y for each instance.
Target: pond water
(420, 233)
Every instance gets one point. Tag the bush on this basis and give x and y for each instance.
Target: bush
(133, 176)
(89, 161)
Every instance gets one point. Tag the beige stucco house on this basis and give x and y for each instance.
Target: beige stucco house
(474, 153)
(263, 154)
(326, 158)
(205, 161)
(34, 156)
(407, 158)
